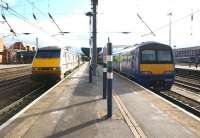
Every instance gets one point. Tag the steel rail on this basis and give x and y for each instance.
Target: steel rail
(18, 102)
(12, 81)
(188, 85)
(194, 109)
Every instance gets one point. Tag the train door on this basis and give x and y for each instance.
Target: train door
(137, 60)
(133, 61)
(120, 67)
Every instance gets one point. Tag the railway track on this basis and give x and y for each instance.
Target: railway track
(14, 89)
(27, 96)
(16, 93)
(15, 72)
(189, 84)
(7, 83)
(16, 106)
(190, 74)
(184, 102)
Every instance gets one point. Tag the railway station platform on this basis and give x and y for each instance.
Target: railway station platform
(13, 71)
(187, 67)
(75, 108)
(3, 66)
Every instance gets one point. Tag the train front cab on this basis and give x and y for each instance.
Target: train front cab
(156, 69)
(46, 65)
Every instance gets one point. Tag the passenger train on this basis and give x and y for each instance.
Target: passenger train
(52, 63)
(151, 64)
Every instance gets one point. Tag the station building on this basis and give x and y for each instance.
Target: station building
(16, 53)
(2, 48)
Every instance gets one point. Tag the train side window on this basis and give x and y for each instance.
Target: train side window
(114, 59)
(130, 57)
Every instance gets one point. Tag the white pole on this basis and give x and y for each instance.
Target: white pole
(36, 43)
(170, 26)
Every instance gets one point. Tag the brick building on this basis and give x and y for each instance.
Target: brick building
(2, 47)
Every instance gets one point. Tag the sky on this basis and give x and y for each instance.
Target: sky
(113, 18)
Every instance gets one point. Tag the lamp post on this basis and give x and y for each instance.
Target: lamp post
(170, 27)
(90, 14)
(174, 54)
(94, 4)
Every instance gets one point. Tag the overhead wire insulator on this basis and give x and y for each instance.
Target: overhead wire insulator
(192, 17)
(54, 22)
(34, 16)
(5, 6)
(50, 16)
(151, 32)
(3, 16)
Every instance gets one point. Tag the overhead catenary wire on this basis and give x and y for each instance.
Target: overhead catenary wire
(50, 16)
(145, 24)
(21, 17)
(33, 5)
(28, 22)
(6, 5)
(44, 14)
(176, 20)
(11, 29)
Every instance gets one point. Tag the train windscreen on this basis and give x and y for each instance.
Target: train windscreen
(164, 56)
(156, 56)
(48, 54)
(148, 56)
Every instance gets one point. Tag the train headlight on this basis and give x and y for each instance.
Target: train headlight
(146, 72)
(55, 68)
(35, 68)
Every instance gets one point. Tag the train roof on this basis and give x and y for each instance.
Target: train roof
(145, 45)
(155, 45)
(50, 48)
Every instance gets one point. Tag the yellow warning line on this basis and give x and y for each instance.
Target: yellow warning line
(134, 127)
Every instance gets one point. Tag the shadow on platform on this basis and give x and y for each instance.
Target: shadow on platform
(78, 127)
(59, 109)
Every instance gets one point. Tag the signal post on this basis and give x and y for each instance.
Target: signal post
(109, 78)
